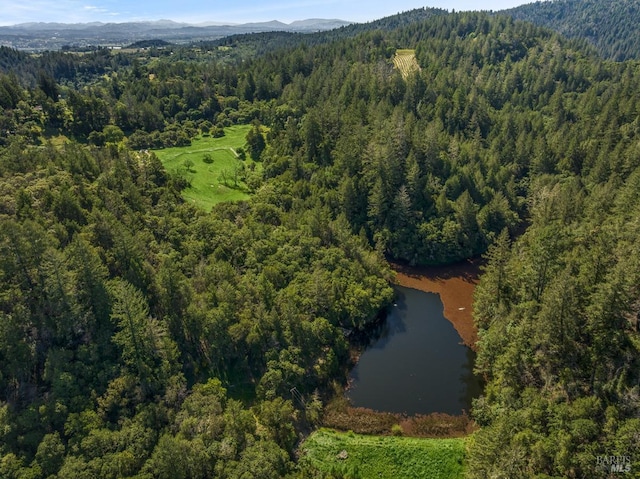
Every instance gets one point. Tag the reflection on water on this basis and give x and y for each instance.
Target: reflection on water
(417, 364)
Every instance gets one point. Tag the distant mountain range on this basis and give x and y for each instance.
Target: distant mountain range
(53, 36)
(612, 27)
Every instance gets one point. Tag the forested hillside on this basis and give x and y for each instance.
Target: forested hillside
(123, 310)
(141, 337)
(558, 316)
(613, 27)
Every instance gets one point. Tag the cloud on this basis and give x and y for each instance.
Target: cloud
(267, 7)
(252, 10)
(77, 11)
(94, 9)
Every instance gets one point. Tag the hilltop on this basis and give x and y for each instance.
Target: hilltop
(613, 27)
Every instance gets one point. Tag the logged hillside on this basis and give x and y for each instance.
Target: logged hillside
(142, 337)
(613, 27)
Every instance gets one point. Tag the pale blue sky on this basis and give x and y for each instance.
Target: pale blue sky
(226, 11)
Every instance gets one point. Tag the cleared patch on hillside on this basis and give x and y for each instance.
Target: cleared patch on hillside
(405, 61)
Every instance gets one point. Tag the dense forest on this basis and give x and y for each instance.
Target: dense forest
(141, 337)
(613, 27)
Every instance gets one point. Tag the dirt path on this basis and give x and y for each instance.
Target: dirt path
(455, 284)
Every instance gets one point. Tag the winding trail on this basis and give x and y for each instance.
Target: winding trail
(207, 150)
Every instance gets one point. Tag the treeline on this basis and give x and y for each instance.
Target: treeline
(75, 69)
(163, 100)
(612, 27)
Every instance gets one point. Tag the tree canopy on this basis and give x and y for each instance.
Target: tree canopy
(611, 27)
(142, 337)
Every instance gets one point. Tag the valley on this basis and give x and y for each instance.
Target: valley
(196, 241)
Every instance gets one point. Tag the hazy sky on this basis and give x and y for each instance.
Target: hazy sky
(227, 11)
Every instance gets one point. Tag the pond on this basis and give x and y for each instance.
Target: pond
(417, 364)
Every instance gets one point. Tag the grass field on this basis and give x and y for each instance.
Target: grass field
(391, 457)
(405, 61)
(216, 181)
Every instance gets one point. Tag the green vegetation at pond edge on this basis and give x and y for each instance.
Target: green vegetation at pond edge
(212, 166)
(358, 456)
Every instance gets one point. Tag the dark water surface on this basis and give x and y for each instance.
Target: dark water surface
(418, 365)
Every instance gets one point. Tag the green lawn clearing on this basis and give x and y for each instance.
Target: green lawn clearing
(212, 167)
(391, 457)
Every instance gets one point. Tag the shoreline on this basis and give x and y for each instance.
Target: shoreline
(340, 415)
(455, 284)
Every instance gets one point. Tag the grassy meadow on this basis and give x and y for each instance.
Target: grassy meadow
(212, 167)
(405, 61)
(391, 457)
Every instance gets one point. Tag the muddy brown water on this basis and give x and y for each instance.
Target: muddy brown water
(420, 361)
(454, 284)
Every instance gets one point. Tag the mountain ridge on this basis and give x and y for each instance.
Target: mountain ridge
(307, 22)
(612, 27)
(52, 36)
